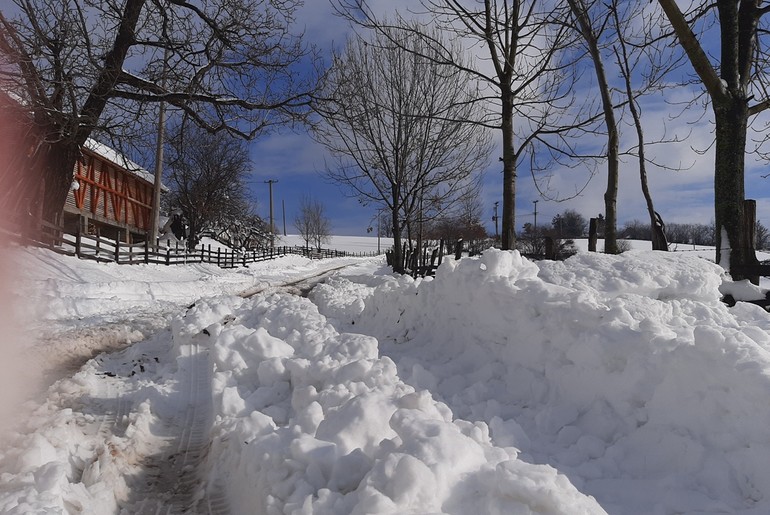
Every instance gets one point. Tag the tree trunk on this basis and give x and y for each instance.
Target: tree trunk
(509, 173)
(657, 228)
(398, 259)
(58, 172)
(22, 195)
(731, 118)
(611, 194)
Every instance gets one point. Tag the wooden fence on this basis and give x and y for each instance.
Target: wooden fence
(102, 249)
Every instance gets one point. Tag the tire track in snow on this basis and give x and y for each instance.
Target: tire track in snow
(174, 482)
(300, 286)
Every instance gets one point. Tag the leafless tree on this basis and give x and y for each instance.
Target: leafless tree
(396, 124)
(694, 234)
(520, 69)
(81, 67)
(735, 80)
(762, 237)
(206, 173)
(632, 41)
(590, 31)
(623, 29)
(312, 223)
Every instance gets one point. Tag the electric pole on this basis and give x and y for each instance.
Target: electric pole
(494, 218)
(158, 184)
(535, 202)
(272, 220)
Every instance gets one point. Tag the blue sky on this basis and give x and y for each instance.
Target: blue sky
(683, 196)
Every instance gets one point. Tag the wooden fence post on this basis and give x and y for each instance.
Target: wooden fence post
(750, 232)
(219, 255)
(117, 249)
(593, 227)
(168, 256)
(146, 251)
(459, 249)
(77, 240)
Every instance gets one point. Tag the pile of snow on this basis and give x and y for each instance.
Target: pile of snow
(626, 373)
(313, 421)
(602, 384)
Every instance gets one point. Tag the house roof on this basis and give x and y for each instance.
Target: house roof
(120, 160)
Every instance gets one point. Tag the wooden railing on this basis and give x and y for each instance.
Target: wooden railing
(102, 249)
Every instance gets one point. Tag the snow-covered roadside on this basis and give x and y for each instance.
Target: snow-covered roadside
(68, 310)
(604, 384)
(304, 420)
(314, 421)
(626, 373)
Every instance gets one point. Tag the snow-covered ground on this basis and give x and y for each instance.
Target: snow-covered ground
(359, 244)
(602, 384)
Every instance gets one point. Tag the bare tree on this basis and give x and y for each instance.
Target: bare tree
(312, 223)
(695, 234)
(762, 237)
(653, 75)
(396, 124)
(85, 67)
(591, 35)
(601, 40)
(734, 79)
(521, 73)
(206, 174)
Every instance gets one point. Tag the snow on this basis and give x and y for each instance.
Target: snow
(354, 244)
(120, 160)
(601, 384)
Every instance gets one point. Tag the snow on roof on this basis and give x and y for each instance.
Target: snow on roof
(119, 159)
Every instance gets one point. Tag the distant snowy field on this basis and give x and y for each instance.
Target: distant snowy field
(601, 384)
(365, 244)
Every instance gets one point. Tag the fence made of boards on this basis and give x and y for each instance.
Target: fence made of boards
(100, 248)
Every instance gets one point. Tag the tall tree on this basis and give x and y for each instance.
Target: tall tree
(591, 34)
(654, 73)
(84, 67)
(735, 84)
(520, 72)
(207, 175)
(397, 125)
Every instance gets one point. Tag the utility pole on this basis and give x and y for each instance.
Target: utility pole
(494, 218)
(272, 220)
(535, 202)
(158, 184)
(283, 206)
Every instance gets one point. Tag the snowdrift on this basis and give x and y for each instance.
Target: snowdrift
(314, 421)
(626, 373)
(602, 384)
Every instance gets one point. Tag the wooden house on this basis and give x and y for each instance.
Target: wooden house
(110, 195)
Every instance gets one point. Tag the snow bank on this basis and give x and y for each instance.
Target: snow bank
(66, 288)
(603, 384)
(626, 373)
(313, 421)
